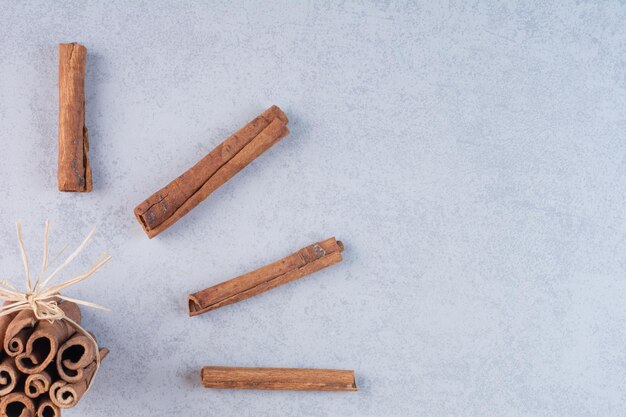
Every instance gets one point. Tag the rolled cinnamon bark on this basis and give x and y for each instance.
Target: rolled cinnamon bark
(304, 262)
(47, 408)
(17, 404)
(74, 356)
(278, 379)
(44, 342)
(172, 202)
(74, 169)
(65, 394)
(9, 376)
(37, 384)
(4, 325)
(18, 331)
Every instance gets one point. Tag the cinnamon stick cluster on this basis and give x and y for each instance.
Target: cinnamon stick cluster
(44, 365)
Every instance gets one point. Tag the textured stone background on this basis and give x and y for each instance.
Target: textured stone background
(471, 157)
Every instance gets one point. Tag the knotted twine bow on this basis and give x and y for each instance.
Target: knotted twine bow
(44, 301)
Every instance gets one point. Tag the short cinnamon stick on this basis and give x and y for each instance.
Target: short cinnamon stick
(74, 356)
(47, 408)
(17, 404)
(4, 325)
(293, 379)
(9, 376)
(297, 265)
(171, 203)
(37, 384)
(74, 169)
(42, 345)
(18, 332)
(65, 394)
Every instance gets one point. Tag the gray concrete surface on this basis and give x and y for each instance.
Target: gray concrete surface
(471, 156)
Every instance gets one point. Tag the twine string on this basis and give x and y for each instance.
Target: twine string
(42, 300)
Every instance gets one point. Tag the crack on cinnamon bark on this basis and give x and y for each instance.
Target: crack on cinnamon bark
(72, 52)
(78, 173)
(148, 213)
(319, 251)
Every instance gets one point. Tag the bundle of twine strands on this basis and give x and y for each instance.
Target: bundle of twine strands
(44, 300)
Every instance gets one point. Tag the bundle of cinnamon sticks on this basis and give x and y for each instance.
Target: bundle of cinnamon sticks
(44, 365)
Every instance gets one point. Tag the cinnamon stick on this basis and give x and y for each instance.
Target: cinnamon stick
(4, 325)
(74, 356)
(171, 203)
(18, 332)
(47, 408)
(17, 404)
(65, 394)
(37, 384)
(9, 376)
(297, 265)
(44, 342)
(74, 169)
(278, 379)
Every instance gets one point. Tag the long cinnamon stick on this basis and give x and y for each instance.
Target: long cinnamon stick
(297, 265)
(44, 342)
(9, 376)
(171, 203)
(17, 404)
(65, 394)
(47, 408)
(74, 356)
(278, 379)
(74, 169)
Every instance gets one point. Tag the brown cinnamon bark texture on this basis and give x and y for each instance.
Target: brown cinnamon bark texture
(37, 384)
(17, 404)
(74, 169)
(278, 379)
(4, 325)
(65, 394)
(47, 408)
(297, 265)
(43, 344)
(168, 205)
(9, 376)
(18, 332)
(74, 356)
